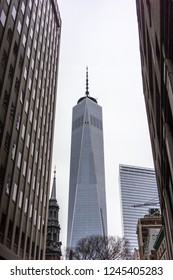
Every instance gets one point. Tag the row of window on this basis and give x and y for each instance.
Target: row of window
(93, 120)
(23, 235)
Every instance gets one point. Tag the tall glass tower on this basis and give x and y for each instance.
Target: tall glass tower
(138, 193)
(87, 199)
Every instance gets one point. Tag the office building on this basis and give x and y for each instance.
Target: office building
(155, 25)
(138, 190)
(29, 51)
(53, 245)
(148, 228)
(87, 198)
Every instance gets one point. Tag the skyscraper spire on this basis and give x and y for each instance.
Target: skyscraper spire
(87, 87)
(53, 194)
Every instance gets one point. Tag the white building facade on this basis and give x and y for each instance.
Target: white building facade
(138, 187)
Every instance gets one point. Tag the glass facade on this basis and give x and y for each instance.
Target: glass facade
(137, 186)
(87, 199)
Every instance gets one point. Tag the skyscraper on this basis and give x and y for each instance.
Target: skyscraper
(155, 25)
(138, 186)
(87, 199)
(29, 50)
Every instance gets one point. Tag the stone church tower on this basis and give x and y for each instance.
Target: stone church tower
(53, 245)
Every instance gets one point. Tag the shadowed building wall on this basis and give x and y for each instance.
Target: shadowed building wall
(155, 25)
(29, 54)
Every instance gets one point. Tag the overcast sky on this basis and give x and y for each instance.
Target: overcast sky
(102, 35)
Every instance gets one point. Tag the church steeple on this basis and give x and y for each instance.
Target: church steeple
(53, 194)
(53, 247)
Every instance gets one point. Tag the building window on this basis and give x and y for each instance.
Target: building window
(32, 64)
(30, 83)
(33, 249)
(12, 111)
(14, 192)
(16, 239)
(8, 184)
(31, 33)
(36, 156)
(7, 141)
(35, 44)
(26, 106)
(35, 125)
(3, 223)
(3, 18)
(17, 84)
(31, 116)
(13, 12)
(10, 230)
(4, 58)
(22, 96)
(11, 72)
(36, 74)
(40, 163)
(35, 217)
(25, 73)
(32, 149)
(28, 52)
(33, 183)
(29, 176)
(27, 20)
(6, 99)
(23, 131)
(21, 62)
(28, 141)
(28, 245)
(41, 196)
(13, 152)
(24, 40)
(20, 199)
(38, 134)
(19, 27)
(23, 8)
(37, 103)
(26, 205)
(30, 4)
(18, 122)
(9, 34)
(22, 241)
(24, 168)
(30, 212)
(33, 16)
(19, 160)
(38, 188)
(39, 222)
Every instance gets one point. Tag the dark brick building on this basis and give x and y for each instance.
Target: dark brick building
(155, 22)
(29, 54)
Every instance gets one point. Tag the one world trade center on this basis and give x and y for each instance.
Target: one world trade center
(87, 213)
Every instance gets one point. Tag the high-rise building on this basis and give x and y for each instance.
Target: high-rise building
(87, 199)
(155, 25)
(53, 245)
(29, 51)
(138, 193)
